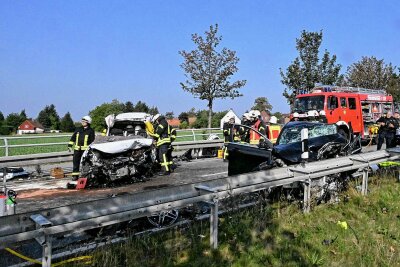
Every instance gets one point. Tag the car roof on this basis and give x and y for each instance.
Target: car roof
(131, 116)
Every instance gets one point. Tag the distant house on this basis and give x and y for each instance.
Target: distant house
(229, 114)
(30, 126)
(174, 122)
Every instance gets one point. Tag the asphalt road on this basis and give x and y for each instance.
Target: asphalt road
(41, 193)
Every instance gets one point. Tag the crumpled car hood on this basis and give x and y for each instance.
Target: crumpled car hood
(119, 144)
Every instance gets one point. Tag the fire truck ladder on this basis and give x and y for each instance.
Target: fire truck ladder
(347, 89)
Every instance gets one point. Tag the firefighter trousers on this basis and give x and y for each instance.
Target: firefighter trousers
(164, 157)
(76, 161)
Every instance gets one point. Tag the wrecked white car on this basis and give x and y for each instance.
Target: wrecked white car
(125, 155)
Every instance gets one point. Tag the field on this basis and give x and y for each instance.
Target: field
(279, 234)
(184, 135)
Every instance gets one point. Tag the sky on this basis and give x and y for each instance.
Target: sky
(80, 54)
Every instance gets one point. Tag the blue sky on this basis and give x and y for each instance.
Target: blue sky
(80, 54)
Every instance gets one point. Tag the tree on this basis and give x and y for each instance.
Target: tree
(208, 71)
(184, 117)
(394, 86)
(99, 113)
(370, 72)
(141, 107)
(129, 107)
(13, 121)
(262, 103)
(22, 116)
(49, 118)
(66, 123)
(169, 115)
(1, 117)
(153, 110)
(305, 71)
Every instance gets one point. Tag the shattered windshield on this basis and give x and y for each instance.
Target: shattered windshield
(293, 134)
(306, 103)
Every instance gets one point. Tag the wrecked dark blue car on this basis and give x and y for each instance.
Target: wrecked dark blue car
(324, 141)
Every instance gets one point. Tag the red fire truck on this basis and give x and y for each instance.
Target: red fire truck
(349, 107)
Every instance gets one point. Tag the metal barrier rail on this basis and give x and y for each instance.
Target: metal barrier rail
(42, 224)
(58, 157)
(202, 132)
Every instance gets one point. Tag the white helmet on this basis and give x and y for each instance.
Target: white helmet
(246, 116)
(254, 113)
(88, 119)
(311, 113)
(322, 113)
(155, 117)
(296, 115)
(273, 120)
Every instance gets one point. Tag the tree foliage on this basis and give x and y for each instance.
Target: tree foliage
(184, 117)
(1, 116)
(49, 118)
(202, 119)
(262, 103)
(13, 121)
(99, 113)
(370, 72)
(208, 71)
(169, 115)
(66, 123)
(394, 86)
(306, 70)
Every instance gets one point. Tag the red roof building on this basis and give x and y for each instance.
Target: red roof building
(30, 126)
(174, 122)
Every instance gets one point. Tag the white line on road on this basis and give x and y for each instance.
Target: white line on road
(213, 174)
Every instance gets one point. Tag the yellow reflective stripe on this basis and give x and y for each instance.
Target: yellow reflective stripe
(75, 173)
(165, 164)
(254, 142)
(163, 141)
(77, 139)
(162, 127)
(85, 141)
(77, 147)
(84, 147)
(71, 143)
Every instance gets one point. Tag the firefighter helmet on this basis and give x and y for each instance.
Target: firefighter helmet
(273, 120)
(155, 117)
(296, 115)
(88, 119)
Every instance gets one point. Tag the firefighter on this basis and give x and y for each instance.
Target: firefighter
(387, 130)
(230, 134)
(273, 129)
(259, 125)
(244, 132)
(162, 136)
(79, 142)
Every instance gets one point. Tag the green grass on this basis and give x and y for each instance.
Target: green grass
(280, 235)
(59, 148)
(35, 149)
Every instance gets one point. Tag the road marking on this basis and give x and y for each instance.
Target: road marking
(213, 174)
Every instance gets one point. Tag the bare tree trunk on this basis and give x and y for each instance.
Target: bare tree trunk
(210, 104)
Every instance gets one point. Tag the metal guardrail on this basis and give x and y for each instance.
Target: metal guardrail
(58, 157)
(203, 133)
(99, 213)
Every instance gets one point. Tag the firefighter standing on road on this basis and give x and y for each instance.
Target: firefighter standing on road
(244, 132)
(79, 142)
(162, 136)
(387, 130)
(230, 134)
(273, 129)
(259, 125)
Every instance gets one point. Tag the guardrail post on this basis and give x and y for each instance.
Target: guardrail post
(6, 146)
(214, 224)
(364, 186)
(194, 135)
(45, 240)
(307, 196)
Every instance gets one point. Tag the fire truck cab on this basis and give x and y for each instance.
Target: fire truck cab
(349, 107)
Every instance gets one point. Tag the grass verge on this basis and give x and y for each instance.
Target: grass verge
(279, 234)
